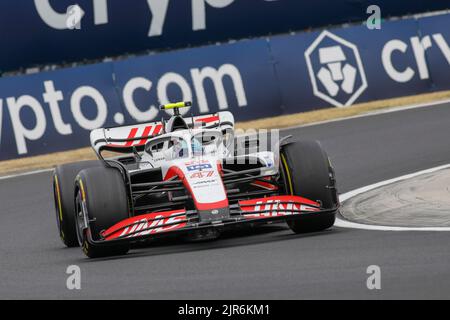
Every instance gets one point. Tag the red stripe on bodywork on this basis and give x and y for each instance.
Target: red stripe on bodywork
(265, 185)
(173, 172)
(131, 135)
(157, 129)
(145, 134)
(208, 119)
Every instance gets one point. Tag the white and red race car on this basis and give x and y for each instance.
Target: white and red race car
(192, 177)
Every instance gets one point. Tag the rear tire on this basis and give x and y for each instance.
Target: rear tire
(101, 202)
(308, 173)
(63, 189)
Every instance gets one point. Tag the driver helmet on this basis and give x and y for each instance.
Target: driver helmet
(180, 149)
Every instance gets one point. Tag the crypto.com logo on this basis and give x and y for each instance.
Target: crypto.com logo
(335, 69)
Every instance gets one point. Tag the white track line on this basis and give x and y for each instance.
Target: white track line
(25, 174)
(372, 113)
(348, 224)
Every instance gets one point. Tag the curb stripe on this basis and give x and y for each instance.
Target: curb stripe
(342, 223)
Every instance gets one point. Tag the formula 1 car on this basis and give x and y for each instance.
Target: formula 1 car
(191, 177)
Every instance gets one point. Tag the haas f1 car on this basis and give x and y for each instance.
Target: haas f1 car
(191, 177)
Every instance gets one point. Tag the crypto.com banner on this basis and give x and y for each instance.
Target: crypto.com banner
(54, 111)
(34, 32)
(339, 67)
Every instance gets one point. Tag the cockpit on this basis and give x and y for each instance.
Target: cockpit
(180, 148)
(187, 145)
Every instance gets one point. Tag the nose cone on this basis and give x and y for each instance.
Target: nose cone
(203, 180)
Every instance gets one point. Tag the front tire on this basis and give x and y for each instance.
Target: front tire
(63, 188)
(100, 202)
(307, 172)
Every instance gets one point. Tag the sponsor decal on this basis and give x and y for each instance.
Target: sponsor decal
(419, 47)
(159, 222)
(210, 184)
(277, 206)
(335, 69)
(202, 175)
(197, 167)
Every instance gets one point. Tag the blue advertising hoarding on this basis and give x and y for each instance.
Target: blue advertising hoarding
(54, 111)
(436, 37)
(340, 66)
(225, 77)
(37, 32)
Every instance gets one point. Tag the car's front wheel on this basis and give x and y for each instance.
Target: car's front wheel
(307, 172)
(63, 187)
(100, 202)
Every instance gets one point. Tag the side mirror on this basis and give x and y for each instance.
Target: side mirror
(136, 154)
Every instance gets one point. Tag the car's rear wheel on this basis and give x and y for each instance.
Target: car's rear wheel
(307, 172)
(63, 188)
(100, 202)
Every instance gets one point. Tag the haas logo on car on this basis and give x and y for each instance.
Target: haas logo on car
(147, 224)
(275, 207)
(335, 69)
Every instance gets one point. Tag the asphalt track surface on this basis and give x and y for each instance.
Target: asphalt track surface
(266, 263)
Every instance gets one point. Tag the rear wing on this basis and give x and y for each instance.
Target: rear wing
(127, 138)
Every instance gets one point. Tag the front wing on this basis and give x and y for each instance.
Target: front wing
(254, 211)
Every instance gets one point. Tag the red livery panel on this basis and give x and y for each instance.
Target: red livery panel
(153, 223)
(277, 206)
(159, 222)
